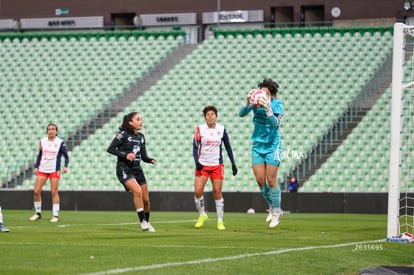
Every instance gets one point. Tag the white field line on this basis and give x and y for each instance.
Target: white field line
(127, 223)
(106, 224)
(156, 246)
(146, 245)
(228, 258)
(80, 224)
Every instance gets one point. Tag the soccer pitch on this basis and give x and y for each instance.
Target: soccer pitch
(110, 242)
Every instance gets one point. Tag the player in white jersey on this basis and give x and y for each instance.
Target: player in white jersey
(3, 227)
(208, 157)
(47, 166)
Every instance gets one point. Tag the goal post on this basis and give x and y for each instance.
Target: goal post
(401, 136)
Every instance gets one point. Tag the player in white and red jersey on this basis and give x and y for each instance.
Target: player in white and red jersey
(47, 166)
(208, 157)
(3, 227)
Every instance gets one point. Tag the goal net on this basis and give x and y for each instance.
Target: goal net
(400, 218)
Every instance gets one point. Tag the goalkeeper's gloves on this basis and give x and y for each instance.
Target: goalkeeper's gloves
(199, 166)
(249, 94)
(234, 168)
(265, 102)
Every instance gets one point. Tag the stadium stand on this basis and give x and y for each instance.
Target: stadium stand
(66, 78)
(361, 163)
(317, 85)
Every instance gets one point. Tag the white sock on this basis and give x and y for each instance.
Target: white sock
(1, 216)
(220, 209)
(271, 209)
(199, 203)
(56, 208)
(38, 206)
(277, 210)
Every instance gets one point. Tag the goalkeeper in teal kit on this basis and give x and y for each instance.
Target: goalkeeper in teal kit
(267, 145)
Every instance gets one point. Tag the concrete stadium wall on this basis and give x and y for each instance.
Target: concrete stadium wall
(351, 9)
(369, 203)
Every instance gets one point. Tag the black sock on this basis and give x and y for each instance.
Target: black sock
(147, 216)
(141, 216)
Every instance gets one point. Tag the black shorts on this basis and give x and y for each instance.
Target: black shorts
(125, 173)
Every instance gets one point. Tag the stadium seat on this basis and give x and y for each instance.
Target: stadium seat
(220, 71)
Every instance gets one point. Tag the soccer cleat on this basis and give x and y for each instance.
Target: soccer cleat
(54, 219)
(220, 226)
(150, 228)
(35, 217)
(3, 228)
(270, 215)
(276, 219)
(144, 226)
(200, 221)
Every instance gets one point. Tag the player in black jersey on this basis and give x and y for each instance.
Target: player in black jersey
(129, 146)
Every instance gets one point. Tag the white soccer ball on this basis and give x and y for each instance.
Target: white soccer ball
(251, 211)
(407, 236)
(255, 97)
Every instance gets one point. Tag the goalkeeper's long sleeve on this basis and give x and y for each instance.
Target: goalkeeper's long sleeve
(275, 113)
(273, 119)
(245, 110)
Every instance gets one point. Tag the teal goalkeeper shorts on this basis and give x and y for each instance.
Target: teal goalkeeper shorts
(269, 153)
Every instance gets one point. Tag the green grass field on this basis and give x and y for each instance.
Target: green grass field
(105, 242)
